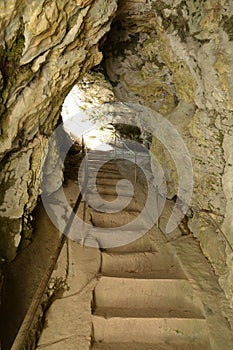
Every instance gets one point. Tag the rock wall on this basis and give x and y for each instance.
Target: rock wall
(172, 56)
(46, 46)
(176, 58)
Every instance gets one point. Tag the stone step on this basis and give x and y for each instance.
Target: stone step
(98, 151)
(103, 169)
(104, 181)
(149, 264)
(173, 273)
(119, 219)
(104, 175)
(129, 293)
(123, 190)
(109, 312)
(115, 203)
(115, 239)
(104, 162)
(174, 344)
(107, 184)
(153, 330)
(94, 172)
(100, 157)
(141, 242)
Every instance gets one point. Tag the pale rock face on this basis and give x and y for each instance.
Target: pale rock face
(176, 58)
(45, 47)
(94, 90)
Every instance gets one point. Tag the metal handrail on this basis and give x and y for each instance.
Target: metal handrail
(135, 177)
(157, 187)
(135, 159)
(86, 175)
(130, 150)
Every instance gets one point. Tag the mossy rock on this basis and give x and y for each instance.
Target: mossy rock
(9, 229)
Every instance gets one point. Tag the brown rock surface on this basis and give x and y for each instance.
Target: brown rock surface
(46, 46)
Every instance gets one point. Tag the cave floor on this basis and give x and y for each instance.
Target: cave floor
(156, 292)
(153, 292)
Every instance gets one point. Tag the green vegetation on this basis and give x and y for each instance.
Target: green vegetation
(11, 55)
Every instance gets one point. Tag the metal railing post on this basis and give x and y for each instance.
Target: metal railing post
(83, 145)
(135, 167)
(85, 192)
(157, 204)
(115, 143)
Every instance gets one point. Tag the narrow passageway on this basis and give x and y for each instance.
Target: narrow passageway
(142, 299)
(146, 260)
(120, 281)
(152, 292)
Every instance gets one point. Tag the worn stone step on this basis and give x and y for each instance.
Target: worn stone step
(96, 151)
(117, 239)
(103, 169)
(100, 154)
(104, 181)
(159, 274)
(104, 175)
(153, 330)
(107, 184)
(122, 190)
(150, 264)
(141, 242)
(115, 203)
(173, 345)
(100, 157)
(105, 161)
(119, 219)
(164, 294)
(94, 172)
(109, 312)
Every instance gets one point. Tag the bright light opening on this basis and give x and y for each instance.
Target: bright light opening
(77, 123)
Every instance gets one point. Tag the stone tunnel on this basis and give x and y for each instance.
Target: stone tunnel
(154, 77)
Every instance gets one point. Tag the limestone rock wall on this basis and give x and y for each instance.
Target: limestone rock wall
(172, 56)
(176, 58)
(46, 46)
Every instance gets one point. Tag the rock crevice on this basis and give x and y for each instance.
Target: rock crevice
(46, 47)
(174, 57)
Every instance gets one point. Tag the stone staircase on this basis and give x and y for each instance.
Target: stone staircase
(142, 299)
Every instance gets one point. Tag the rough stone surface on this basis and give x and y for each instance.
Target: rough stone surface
(73, 308)
(172, 56)
(176, 57)
(137, 286)
(46, 46)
